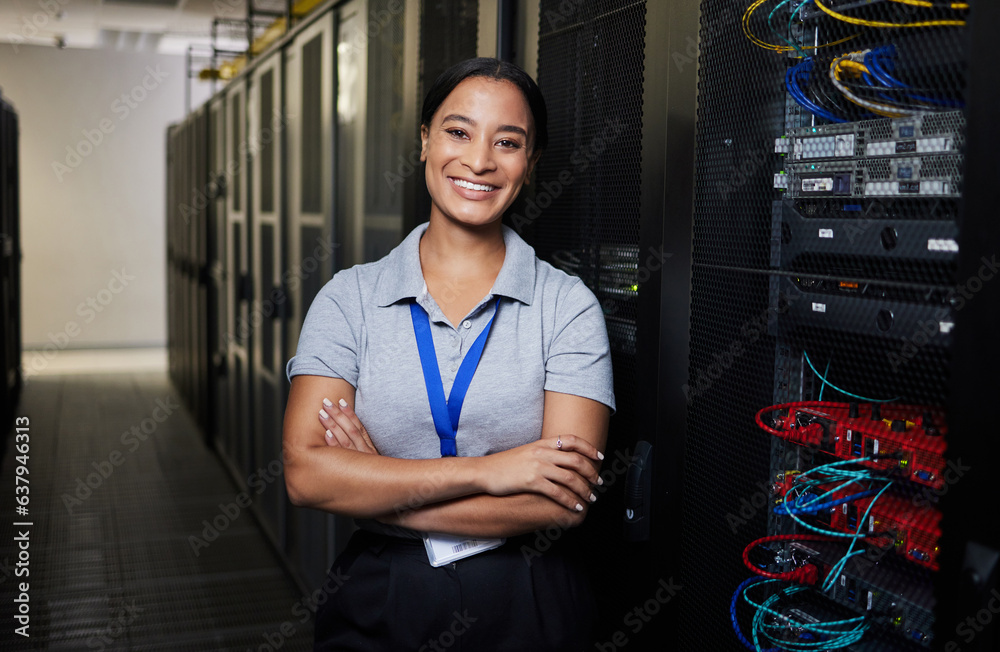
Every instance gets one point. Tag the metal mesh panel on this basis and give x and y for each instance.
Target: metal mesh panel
(267, 150)
(312, 128)
(584, 215)
(449, 32)
(384, 124)
(825, 241)
(236, 116)
(267, 282)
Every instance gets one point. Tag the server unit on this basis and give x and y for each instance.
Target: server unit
(10, 262)
(831, 226)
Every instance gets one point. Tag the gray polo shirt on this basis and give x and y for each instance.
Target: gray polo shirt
(549, 334)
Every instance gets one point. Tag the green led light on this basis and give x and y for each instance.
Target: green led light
(635, 288)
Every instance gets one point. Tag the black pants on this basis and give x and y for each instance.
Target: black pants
(384, 595)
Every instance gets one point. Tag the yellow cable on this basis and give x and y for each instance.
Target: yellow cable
(925, 3)
(876, 23)
(774, 47)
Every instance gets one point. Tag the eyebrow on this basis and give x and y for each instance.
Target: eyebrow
(514, 129)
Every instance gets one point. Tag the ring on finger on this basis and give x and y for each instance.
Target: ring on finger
(558, 442)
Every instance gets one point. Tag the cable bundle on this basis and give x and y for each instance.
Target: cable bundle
(787, 631)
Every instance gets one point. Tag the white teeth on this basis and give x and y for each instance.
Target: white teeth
(461, 183)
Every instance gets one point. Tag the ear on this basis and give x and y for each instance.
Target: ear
(532, 161)
(424, 136)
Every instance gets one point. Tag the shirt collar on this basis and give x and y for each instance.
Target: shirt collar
(403, 278)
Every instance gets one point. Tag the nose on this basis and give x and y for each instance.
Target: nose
(478, 156)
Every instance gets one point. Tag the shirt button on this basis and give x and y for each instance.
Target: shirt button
(466, 324)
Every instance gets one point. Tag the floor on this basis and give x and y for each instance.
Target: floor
(134, 540)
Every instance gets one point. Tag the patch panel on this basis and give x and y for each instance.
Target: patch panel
(915, 176)
(932, 133)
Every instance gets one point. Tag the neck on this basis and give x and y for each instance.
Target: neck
(453, 248)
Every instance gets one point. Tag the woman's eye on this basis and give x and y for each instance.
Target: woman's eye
(458, 133)
(510, 144)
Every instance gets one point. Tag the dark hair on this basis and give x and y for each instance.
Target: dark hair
(491, 69)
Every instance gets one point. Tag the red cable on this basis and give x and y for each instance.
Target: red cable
(807, 574)
(783, 406)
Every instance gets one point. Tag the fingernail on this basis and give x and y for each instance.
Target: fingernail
(600, 455)
(343, 403)
(329, 435)
(579, 507)
(323, 414)
(600, 480)
(593, 497)
(327, 402)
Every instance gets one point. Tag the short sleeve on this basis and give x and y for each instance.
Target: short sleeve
(579, 355)
(329, 341)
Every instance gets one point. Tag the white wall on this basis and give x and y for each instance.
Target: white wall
(93, 212)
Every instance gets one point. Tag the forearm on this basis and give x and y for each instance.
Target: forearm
(361, 485)
(483, 515)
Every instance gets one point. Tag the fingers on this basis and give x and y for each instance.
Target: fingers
(343, 428)
(576, 444)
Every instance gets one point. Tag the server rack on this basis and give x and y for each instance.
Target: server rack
(265, 113)
(237, 263)
(10, 262)
(312, 251)
(832, 227)
(214, 197)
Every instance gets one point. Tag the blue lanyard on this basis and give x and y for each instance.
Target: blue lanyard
(446, 414)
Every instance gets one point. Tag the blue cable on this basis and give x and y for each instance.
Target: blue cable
(837, 638)
(882, 72)
(732, 614)
(813, 507)
(792, 85)
(842, 391)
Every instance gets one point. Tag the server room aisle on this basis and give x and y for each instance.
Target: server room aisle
(120, 481)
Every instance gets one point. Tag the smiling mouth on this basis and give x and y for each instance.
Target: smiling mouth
(468, 185)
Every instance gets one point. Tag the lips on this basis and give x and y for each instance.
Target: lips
(469, 185)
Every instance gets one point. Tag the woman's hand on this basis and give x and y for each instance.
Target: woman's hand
(344, 428)
(562, 468)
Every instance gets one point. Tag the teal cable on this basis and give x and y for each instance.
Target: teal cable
(842, 391)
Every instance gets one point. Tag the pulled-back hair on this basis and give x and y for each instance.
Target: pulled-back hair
(490, 69)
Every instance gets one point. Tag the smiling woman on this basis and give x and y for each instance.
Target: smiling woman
(463, 308)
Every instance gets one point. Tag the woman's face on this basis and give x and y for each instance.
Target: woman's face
(478, 150)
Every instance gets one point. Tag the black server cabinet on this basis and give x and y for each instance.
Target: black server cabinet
(10, 263)
(611, 203)
(834, 228)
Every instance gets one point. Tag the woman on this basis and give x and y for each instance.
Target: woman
(461, 302)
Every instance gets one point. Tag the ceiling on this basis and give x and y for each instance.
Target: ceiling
(163, 26)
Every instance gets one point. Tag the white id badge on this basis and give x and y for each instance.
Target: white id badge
(444, 548)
